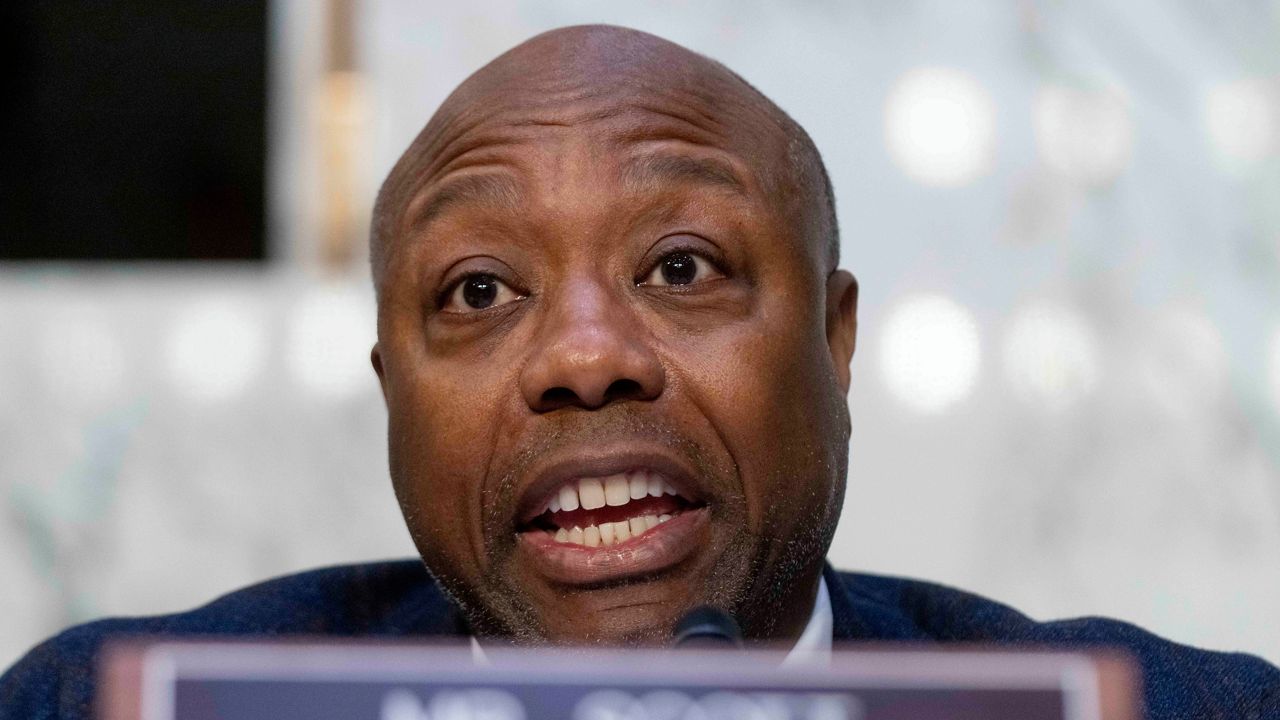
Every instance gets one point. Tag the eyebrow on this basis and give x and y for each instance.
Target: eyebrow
(487, 190)
(651, 171)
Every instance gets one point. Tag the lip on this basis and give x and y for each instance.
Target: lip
(660, 548)
(600, 462)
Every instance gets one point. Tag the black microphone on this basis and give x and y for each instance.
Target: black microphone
(707, 627)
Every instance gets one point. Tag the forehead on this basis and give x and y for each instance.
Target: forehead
(563, 168)
(495, 143)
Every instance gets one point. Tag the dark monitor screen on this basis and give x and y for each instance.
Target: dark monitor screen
(133, 130)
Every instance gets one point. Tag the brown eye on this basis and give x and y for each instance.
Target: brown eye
(478, 292)
(681, 268)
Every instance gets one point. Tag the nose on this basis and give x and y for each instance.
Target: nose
(591, 350)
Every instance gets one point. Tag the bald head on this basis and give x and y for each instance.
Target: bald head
(595, 73)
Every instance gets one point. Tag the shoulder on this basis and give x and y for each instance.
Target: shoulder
(384, 598)
(1179, 679)
(920, 610)
(55, 679)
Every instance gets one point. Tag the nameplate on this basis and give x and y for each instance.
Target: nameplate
(325, 681)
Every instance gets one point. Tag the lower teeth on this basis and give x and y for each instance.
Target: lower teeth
(610, 533)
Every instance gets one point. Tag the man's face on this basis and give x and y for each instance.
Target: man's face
(604, 349)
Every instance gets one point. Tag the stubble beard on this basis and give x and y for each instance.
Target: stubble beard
(754, 586)
(757, 575)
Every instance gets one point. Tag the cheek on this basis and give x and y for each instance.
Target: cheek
(765, 388)
(438, 454)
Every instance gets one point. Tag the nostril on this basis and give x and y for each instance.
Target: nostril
(561, 397)
(623, 390)
(558, 397)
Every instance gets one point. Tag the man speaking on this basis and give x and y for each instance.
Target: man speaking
(614, 346)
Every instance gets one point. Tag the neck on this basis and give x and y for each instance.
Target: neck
(781, 610)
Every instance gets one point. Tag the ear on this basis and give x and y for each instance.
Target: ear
(842, 322)
(375, 356)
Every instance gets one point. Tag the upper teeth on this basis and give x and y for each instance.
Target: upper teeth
(614, 490)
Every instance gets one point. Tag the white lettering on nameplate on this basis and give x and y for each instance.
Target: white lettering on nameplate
(477, 704)
(720, 705)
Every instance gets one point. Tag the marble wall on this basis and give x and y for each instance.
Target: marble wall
(1066, 222)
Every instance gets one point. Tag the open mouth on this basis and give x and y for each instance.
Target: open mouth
(611, 510)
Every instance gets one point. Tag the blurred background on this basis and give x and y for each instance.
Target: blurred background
(1065, 218)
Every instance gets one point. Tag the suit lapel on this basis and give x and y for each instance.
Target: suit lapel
(845, 624)
(858, 613)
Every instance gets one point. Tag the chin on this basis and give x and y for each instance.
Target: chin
(634, 611)
(640, 613)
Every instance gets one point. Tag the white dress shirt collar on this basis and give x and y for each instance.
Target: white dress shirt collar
(814, 645)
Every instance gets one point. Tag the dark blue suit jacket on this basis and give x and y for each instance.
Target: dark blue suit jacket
(399, 599)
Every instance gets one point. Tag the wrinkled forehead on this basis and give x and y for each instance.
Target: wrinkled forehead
(615, 112)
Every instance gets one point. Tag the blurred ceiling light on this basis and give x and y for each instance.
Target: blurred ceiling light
(1085, 135)
(1050, 356)
(930, 353)
(940, 126)
(215, 349)
(331, 331)
(82, 360)
(1243, 121)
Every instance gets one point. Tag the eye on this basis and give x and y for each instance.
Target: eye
(681, 268)
(479, 291)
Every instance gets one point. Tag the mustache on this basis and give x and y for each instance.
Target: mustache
(586, 429)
